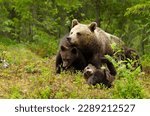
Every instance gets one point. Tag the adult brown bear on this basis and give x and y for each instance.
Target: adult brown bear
(92, 41)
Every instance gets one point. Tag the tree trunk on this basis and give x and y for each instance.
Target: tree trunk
(97, 11)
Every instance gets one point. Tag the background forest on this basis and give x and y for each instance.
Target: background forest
(30, 31)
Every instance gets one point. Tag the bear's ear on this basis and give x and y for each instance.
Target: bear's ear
(63, 48)
(74, 22)
(74, 51)
(93, 26)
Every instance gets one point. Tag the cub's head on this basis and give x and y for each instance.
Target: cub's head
(81, 33)
(89, 71)
(69, 55)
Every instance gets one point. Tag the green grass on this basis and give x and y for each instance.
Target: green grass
(31, 76)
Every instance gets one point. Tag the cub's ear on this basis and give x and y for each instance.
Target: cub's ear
(74, 51)
(93, 26)
(63, 48)
(74, 22)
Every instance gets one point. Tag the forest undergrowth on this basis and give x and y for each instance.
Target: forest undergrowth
(31, 76)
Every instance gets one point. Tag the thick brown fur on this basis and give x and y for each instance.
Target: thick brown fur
(95, 76)
(68, 57)
(92, 41)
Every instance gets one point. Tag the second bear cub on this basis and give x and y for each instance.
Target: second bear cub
(95, 76)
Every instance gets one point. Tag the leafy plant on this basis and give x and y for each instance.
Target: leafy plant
(15, 93)
(127, 83)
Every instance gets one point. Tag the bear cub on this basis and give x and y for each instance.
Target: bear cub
(95, 76)
(69, 57)
(129, 54)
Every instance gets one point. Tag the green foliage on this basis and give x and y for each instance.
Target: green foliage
(15, 93)
(127, 85)
(29, 20)
(37, 26)
(43, 46)
(139, 13)
(146, 60)
(139, 9)
(30, 76)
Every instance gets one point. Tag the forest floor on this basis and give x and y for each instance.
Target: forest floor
(30, 76)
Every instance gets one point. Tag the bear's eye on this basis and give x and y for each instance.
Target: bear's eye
(78, 33)
(66, 60)
(71, 32)
(88, 67)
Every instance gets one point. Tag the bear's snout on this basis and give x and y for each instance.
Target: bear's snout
(65, 65)
(72, 40)
(87, 72)
(69, 39)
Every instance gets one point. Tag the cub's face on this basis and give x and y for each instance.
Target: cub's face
(69, 55)
(89, 71)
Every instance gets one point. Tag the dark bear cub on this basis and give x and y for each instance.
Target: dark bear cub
(69, 57)
(132, 55)
(129, 54)
(95, 76)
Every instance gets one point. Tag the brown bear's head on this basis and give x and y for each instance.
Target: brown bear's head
(69, 55)
(81, 34)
